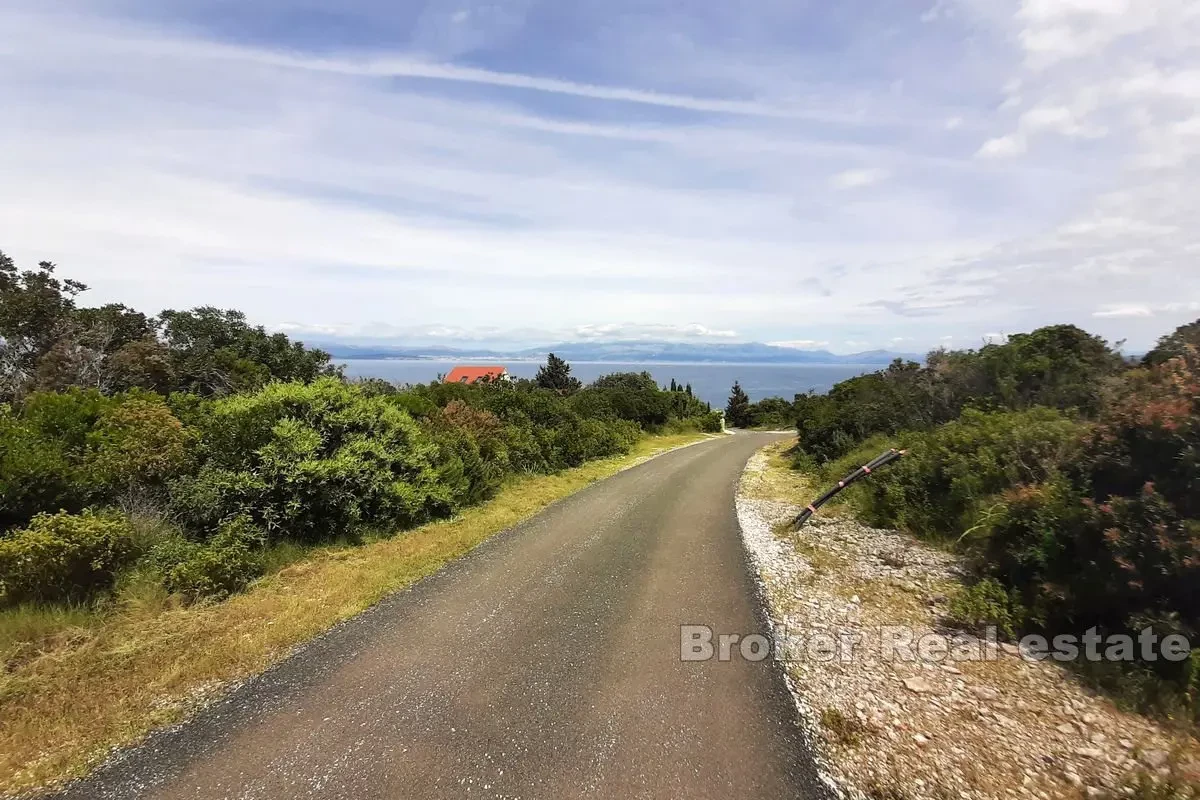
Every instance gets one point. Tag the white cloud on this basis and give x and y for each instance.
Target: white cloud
(1120, 310)
(168, 168)
(1003, 146)
(858, 178)
(1124, 311)
(630, 330)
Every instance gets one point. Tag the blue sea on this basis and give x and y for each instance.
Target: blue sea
(710, 382)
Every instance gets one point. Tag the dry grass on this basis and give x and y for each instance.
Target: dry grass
(89, 682)
(844, 729)
(778, 481)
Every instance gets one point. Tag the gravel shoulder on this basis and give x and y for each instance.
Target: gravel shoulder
(963, 718)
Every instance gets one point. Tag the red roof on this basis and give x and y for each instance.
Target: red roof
(472, 374)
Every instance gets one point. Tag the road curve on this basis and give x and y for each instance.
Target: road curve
(545, 664)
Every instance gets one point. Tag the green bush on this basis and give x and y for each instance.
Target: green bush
(41, 462)
(710, 422)
(985, 603)
(36, 473)
(69, 450)
(1059, 366)
(312, 462)
(953, 473)
(138, 443)
(224, 564)
(634, 396)
(64, 557)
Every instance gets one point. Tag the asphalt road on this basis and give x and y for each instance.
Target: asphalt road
(545, 664)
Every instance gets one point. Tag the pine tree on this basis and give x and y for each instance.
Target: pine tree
(688, 389)
(556, 376)
(674, 385)
(737, 411)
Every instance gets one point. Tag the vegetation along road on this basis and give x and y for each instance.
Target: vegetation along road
(544, 664)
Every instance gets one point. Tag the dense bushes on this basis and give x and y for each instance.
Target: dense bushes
(62, 557)
(299, 462)
(1073, 489)
(311, 461)
(954, 472)
(1059, 367)
(218, 567)
(230, 441)
(67, 450)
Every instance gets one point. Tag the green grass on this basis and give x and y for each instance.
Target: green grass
(80, 681)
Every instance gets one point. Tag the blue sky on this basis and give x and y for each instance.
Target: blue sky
(843, 175)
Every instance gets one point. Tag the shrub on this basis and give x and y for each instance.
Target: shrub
(954, 472)
(223, 565)
(312, 461)
(69, 450)
(472, 457)
(634, 396)
(985, 603)
(137, 443)
(1059, 366)
(64, 557)
(36, 473)
(45, 439)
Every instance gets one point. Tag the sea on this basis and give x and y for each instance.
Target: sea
(710, 382)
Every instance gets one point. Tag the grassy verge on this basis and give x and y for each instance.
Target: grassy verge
(78, 682)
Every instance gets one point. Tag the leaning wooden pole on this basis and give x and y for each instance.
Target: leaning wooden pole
(858, 474)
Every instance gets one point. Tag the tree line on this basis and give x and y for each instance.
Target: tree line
(184, 448)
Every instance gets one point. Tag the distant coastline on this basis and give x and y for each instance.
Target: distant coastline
(620, 352)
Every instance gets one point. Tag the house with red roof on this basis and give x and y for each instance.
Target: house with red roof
(468, 374)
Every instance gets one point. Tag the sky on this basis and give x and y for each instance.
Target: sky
(903, 174)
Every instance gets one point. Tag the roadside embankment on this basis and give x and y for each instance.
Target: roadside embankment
(904, 706)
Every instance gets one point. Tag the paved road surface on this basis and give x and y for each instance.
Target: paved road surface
(546, 664)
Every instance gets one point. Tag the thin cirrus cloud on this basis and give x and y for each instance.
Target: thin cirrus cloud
(453, 167)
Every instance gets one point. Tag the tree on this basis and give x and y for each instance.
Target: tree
(216, 352)
(556, 376)
(1174, 344)
(634, 396)
(737, 410)
(35, 308)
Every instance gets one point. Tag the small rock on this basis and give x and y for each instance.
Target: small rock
(920, 739)
(1155, 758)
(918, 685)
(1066, 729)
(1089, 752)
(986, 693)
(1073, 779)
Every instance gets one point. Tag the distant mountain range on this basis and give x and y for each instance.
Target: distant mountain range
(638, 352)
